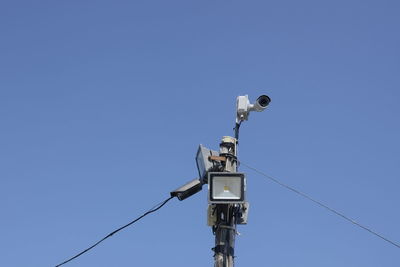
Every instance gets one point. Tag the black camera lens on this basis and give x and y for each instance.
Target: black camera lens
(263, 100)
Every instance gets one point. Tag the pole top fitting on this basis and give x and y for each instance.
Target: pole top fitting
(228, 139)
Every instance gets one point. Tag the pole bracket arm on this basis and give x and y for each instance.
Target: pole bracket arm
(217, 158)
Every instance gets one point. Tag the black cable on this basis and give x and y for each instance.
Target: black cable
(322, 205)
(236, 129)
(153, 209)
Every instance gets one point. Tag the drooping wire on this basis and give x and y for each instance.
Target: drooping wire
(153, 209)
(321, 204)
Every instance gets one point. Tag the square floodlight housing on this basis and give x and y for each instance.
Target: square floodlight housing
(226, 187)
(204, 165)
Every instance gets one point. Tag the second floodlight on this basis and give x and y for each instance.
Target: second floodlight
(204, 164)
(187, 189)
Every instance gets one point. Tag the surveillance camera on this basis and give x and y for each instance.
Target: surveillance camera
(261, 103)
(243, 106)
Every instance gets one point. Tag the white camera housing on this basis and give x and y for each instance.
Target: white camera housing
(243, 106)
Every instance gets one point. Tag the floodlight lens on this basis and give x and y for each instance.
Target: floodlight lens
(227, 188)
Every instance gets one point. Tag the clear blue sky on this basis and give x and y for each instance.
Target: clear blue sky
(103, 105)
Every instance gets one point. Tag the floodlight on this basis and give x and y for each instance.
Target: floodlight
(204, 165)
(225, 187)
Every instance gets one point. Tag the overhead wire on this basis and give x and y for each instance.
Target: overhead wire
(153, 209)
(275, 180)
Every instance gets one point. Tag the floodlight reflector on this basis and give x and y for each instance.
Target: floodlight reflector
(226, 187)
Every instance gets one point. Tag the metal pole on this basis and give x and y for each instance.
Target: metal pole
(225, 228)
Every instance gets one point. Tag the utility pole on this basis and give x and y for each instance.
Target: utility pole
(224, 217)
(227, 206)
(225, 227)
